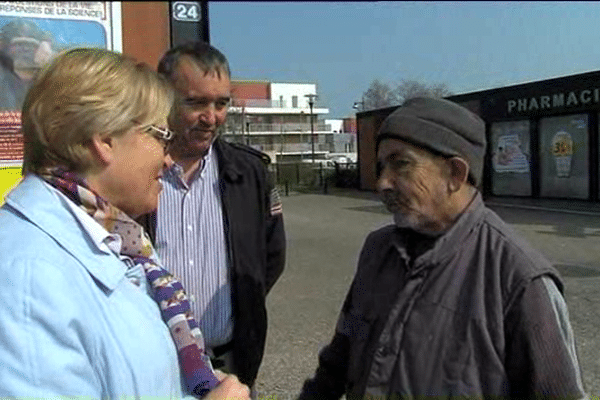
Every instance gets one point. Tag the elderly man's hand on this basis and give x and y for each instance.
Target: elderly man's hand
(230, 388)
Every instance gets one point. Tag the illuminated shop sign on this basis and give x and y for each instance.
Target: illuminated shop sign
(556, 100)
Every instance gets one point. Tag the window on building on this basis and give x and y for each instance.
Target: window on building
(511, 158)
(564, 156)
(281, 101)
(295, 101)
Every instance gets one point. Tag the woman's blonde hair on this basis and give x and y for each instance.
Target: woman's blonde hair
(87, 91)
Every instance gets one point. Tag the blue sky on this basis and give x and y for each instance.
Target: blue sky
(343, 46)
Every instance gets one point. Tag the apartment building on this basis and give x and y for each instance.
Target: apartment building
(276, 119)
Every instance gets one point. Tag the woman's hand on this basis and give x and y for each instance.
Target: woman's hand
(230, 388)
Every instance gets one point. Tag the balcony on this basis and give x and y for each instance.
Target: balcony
(279, 129)
(267, 106)
(299, 148)
(297, 143)
(258, 103)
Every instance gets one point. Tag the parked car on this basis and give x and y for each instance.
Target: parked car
(320, 162)
(344, 162)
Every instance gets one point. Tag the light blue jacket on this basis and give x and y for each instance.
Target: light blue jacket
(71, 322)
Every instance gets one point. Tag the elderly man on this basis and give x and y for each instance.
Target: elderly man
(447, 301)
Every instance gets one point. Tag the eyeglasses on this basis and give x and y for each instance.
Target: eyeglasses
(163, 135)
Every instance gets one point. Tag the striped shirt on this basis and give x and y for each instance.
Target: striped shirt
(190, 240)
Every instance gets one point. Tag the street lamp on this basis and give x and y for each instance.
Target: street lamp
(248, 133)
(243, 121)
(311, 102)
(360, 103)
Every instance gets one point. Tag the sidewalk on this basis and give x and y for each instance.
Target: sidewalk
(326, 232)
(568, 206)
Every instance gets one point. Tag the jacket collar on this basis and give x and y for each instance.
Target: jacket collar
(43, 208)
(229, 168)
(448, 243)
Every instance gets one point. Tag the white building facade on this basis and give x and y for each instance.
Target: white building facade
(277, 118)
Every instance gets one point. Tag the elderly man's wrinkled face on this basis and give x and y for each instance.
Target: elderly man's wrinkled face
(413, 184)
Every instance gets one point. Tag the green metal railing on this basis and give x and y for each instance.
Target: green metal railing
(303, 176)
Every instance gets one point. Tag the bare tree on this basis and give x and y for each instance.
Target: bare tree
(408, 89)
(378, 95)
(381, 95)
(440, 90)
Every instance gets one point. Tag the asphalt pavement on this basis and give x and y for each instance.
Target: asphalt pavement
(325, 233)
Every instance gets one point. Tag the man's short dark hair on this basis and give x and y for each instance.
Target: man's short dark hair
(207, 57)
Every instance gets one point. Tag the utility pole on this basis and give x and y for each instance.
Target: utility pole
(281, 143)
(243, 120)
(311, 102)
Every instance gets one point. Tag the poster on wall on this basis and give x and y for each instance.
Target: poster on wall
(511, 157)
(564, 153)
(31, 34)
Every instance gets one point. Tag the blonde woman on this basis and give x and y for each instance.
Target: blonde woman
(86, 308)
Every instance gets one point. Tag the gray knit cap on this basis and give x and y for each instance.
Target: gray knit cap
(441, 126)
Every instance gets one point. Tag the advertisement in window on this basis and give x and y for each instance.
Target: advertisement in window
(564, 150)
(31, 34)
(511, 157)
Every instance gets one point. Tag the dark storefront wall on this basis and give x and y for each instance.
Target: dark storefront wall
(368, 124)
(560, 145)
(596, 171)
(542, 137)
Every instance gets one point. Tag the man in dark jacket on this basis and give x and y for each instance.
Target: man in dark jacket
(219, 226)
(447, 301)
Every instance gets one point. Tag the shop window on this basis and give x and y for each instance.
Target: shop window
(511, 158)
(598, 172)
(564, 164)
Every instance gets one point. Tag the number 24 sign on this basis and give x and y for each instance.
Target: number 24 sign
(187, 11)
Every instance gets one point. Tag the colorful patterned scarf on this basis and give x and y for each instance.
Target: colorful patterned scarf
(166, 290)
